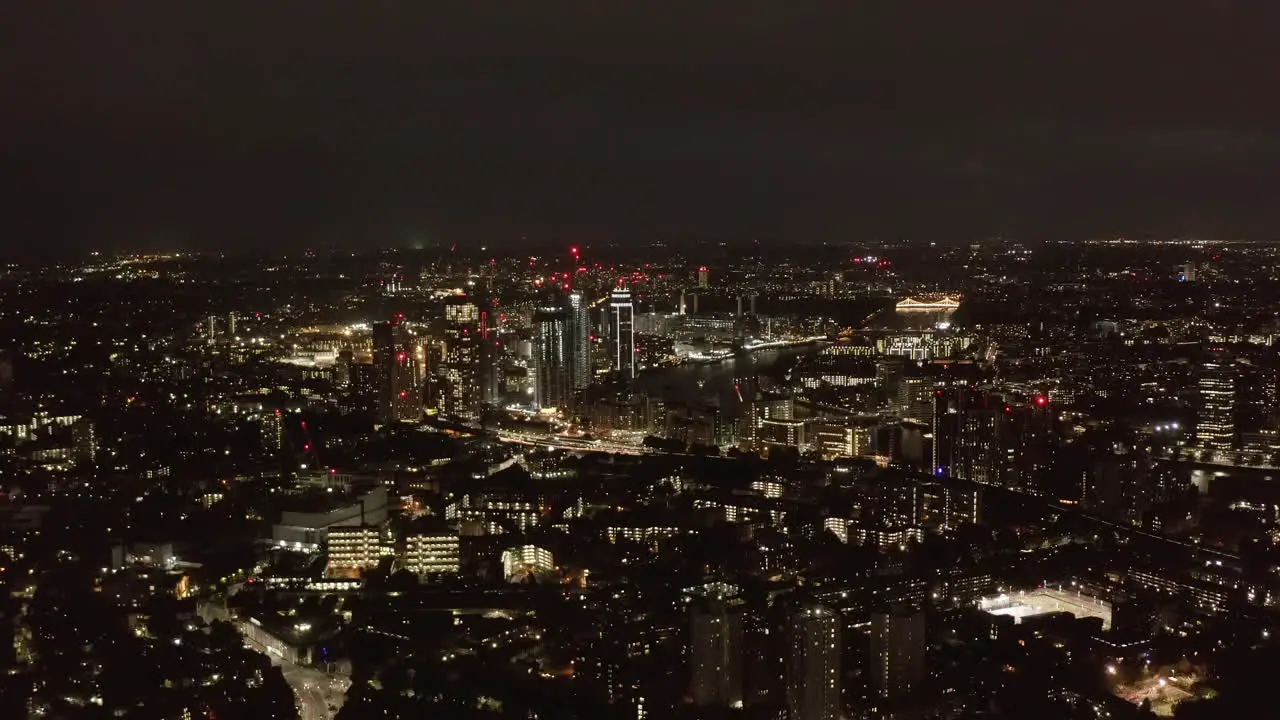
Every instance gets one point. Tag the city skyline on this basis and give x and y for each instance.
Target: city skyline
(724, 121)
(888, 360)
(802, 480)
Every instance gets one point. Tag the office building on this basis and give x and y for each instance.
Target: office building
(704, 278)
(622, 333)
(1215, 425)
(813, 664)
(897, 652)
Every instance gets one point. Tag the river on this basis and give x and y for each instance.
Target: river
(710, 381)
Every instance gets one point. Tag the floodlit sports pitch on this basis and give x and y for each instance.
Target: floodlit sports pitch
(1041, 601)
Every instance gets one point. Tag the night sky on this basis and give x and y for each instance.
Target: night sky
(243, 125)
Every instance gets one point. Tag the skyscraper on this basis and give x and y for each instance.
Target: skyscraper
(384, 349)
(622, 332)
(762, 410)
(490, 356)
(490, 368)
(272, 427)
(889, 376)
(1215, 426)
(407, 396)
(966, 426)
(813, 665)
(580, 369)
(6, 380)
(716, 647)
(461, 396)
(397, 388)
(1027, 441)
(551, 358)
(915, 398)
(897, 652)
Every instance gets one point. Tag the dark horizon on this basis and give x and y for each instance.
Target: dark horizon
(238, 128)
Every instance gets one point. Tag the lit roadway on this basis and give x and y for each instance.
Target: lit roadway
(315, 690)
(572, 444)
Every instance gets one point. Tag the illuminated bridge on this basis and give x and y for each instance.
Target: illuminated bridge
(751, 346)
(945, 302)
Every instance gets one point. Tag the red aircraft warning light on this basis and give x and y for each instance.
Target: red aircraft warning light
(1041, 401)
